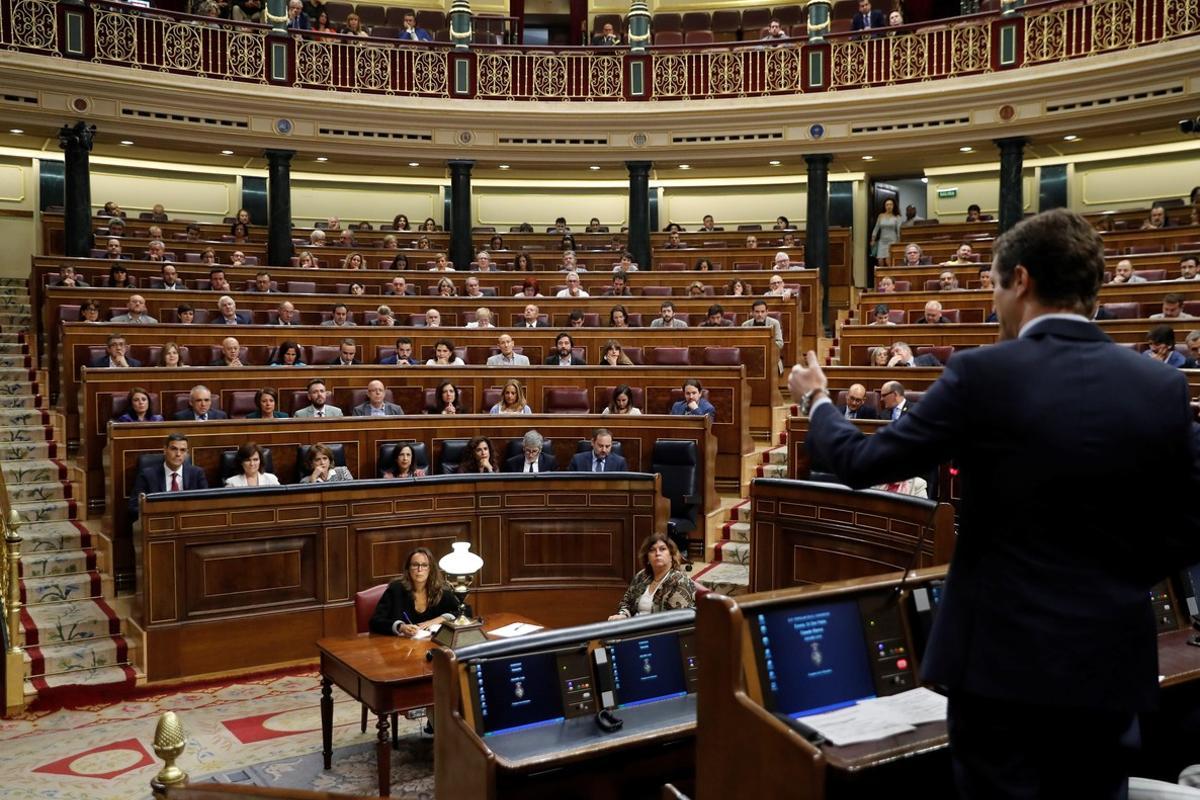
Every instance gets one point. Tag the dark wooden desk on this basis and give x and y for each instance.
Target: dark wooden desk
(388, 674)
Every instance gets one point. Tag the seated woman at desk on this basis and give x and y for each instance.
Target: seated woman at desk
(418, 599)
(405, 465)
(249, 459)
(321, 469)
(138, 407)
(266, 404)
(477, 457)
(661, 585)
(512, 399)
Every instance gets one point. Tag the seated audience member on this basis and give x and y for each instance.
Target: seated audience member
(483, 318)
(137, 314)
(783, 262)
(887, 285)
(708, 225)
(170, 356)
(345, 238)
(320, 467)
(507, 357)
(974, 213)
(406, 466)
(693, 403)
(170, 278)
(192, 232)
(626, 263)
(317, 405)
(575, 319)
(228, 313)
(529, 288)
(240, 232)
(353, 261)
(856, 406)
(881, 316)
(376, 405)
(534, 458)
(433, 318)
(1193, 345)
(573, 289)
(347, 354)
(947, 282)
(879, 356)
(441, 264)
(673, 227)
(89, 311)
(1123, 273)
(340, 319)
(305, 260)
(985, 279)
(613, 356)
(667, 318)
(398, 287)
(622, 401)
(174, 475)
(752, 242)
(618, 317)
(963, 255)
(158, 213)
(891, 394)
(483, 262)
(384, 318)
(673, 242)
(249, 459)
(512, 399)
(185, 314)
(155, 251)
(773, 32)
(715, 318)
(410, 32)
(230, 354)
(418, 600)
(1156, 220)
(1162, 347)
(208, 256)
(266, 405)
(471, 287)
(317, 238)
(69, 279)
(933, 314)
(696, 289)
(137, 404)
(563, 355)
(448, 400)
(660, 585)
(287, 355)
(287, 314)
(600, 458)
(446, 288)
(114, 356)
(775, 288)
(200, 407)
(496, 243)
(704, 265)
(111, 209)
(619, 287)
(912, 254)
(403, 356)
(423, 243)
(569, 258)
(738, 288)
(902, 356)
(759, 318)
(895, 20)
(478, 457)
(262, 283)
(607, 37)
(1172, 308)
(910, 216)
(1188, 270)
(399, 260)
(217, 280)
(443, 355)
(523, 262)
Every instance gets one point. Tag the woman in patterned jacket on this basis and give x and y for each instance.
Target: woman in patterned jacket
(661, 585)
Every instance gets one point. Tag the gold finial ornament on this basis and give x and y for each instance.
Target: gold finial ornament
(169, 742)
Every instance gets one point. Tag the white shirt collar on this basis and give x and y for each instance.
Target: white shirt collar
(1025, 329)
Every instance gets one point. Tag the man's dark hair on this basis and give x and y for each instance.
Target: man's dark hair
(757, 303)
(1172, 298)
(575, 314)
(403, 340)
(715, 308)
(183, 308)
(262, 273)
(342, 306)
(1189, 257)
(175, 437)
(620, 274)
(215, 270)
(881, 309)
(314, 382)
(1162, 334)
(974, 207)
(559, 338)
(1063, 255)
(667, 304)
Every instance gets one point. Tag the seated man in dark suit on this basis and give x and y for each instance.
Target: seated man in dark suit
(693, 403)
(115, 355)
(715, 318)
(173, 476)
(902, 356)
(230, 354)
(534, 458)
(607, 37)
(200, 407)
(403, 356)
(891, 394)
(933, 314)
(347, 354)
(856, 406)
(866, 19)
(563, 355)
(227, 313)
(376, 405)
(600, 458)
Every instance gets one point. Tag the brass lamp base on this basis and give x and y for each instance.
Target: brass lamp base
(460, 633)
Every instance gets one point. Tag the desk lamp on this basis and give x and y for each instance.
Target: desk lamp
(459, 566)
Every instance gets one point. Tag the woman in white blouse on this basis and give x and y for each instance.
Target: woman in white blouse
(249, 458)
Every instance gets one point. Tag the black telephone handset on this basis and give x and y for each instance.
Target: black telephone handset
(605, 720)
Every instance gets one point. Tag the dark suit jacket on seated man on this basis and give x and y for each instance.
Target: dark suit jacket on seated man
(173, 474)
(546, 462)
(600, 458)
(1044, 639)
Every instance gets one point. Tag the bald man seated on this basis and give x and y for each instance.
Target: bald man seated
(856, 406)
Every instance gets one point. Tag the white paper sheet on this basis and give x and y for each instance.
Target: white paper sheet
(514, 629)
(879, 717)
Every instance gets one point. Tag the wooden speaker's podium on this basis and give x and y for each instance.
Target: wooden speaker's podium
(742, 748)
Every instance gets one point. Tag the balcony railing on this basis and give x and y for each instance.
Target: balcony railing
(120, 35)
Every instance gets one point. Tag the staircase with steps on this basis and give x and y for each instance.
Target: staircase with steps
(70, 632)
(729, 571)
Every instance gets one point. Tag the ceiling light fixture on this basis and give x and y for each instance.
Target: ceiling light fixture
(15, 130)
(774, 163)
(868, 158)
(685, 166)
(322, 159)
(504, 166)
(127, 142)
(967, 149)
(1070, 137)
(594, 167)
(226, 152)
(414, 163)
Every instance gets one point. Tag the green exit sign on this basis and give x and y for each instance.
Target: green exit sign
(947, 192)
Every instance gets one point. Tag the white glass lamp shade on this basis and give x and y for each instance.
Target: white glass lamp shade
(460, 560)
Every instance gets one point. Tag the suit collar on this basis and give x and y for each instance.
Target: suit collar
(1068, 326)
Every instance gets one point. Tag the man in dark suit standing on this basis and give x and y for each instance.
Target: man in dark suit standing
(534, 457)
(600, 458)
(866, 19)
(1043, 639)
(174, 475)
(200, 407)
(856, 406)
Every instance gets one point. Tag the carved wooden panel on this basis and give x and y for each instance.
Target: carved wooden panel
(537, 549)
(383, 548)
(250, 574)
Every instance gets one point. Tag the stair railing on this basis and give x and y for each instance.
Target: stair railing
(13, 676)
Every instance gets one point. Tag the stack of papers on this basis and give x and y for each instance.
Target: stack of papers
(879, 717)
(425, 633)
(515, 629)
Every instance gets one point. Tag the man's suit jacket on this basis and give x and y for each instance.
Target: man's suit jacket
(415, 35)
(390, 409)
(582, 462)
(537, 324)
(242, 317)
(600, 40)
(546, 463)
(552, 361)
(154, 479)
(187, 415)
(865, 411)
(394, 360)
(941, 321)
(877, 21)
(1045, 602)
(309, 411)
(105, 361)
(300, 22)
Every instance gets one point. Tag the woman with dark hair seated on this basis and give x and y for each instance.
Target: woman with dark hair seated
(478, 457)
(319, 464)
(443, 355)
(621, 402)
(613, 355)
(288, 355)
(119, 277)
(660, 585)
(266, 404)
(406, 465)
(523, 263)
(417, 600)
(249, 460)
(447, 400)
(138, 407)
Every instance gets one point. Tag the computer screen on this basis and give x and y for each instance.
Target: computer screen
(1191, 588)
(530, 689)
(647, 668)
(813, 657)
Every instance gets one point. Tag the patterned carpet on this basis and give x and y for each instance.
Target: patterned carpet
(263, 731)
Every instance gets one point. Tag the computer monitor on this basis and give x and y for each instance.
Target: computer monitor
(1190, 578)
(646, 669)
(515, 692)
(825, 654)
